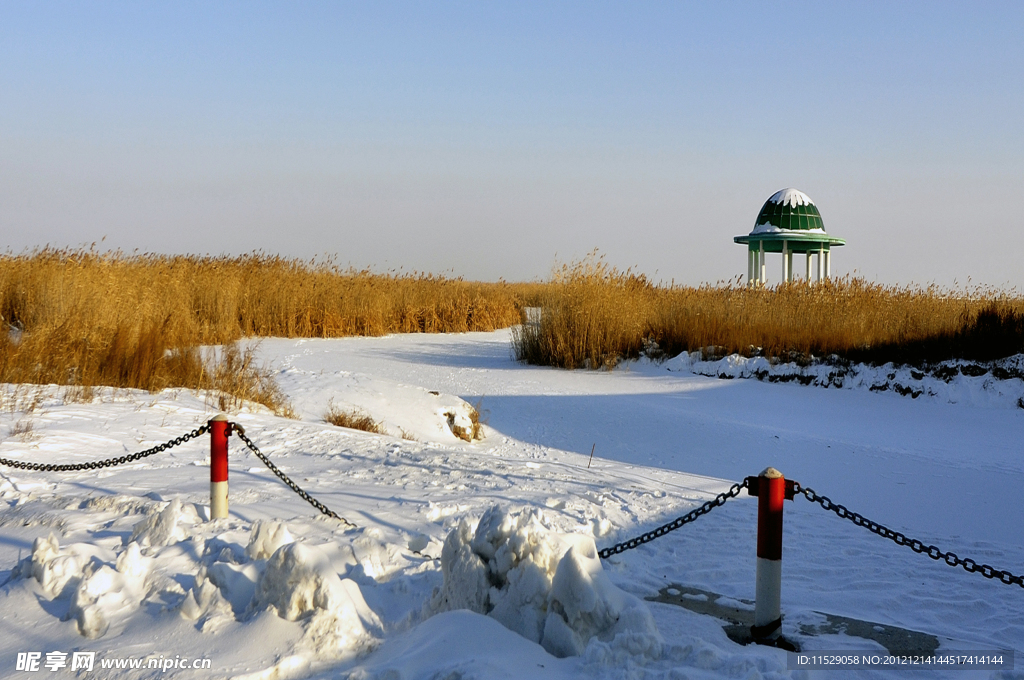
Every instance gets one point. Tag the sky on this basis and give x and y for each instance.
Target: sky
(492, 140)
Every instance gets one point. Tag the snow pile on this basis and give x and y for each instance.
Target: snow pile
(547, 586)
(992, 384)
(103, 587)
(265, 538)
(105, 593)
(293, 580)
(299, 582)
(422, 413)
(98, 592)
(205, 604)
(49, 567)
(166, 526)
(461, 419)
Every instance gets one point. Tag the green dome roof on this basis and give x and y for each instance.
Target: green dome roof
(789, 209)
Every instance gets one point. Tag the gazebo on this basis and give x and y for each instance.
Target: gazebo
(788, 223)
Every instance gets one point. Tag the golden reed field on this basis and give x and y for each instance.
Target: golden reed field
(84, 319)
(595, 315)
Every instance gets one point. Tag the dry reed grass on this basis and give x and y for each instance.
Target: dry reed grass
(475, 430)
(83, 318)
(353, 420)
(595, 315)
(23, 430)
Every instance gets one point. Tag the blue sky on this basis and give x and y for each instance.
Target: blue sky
(490, 139)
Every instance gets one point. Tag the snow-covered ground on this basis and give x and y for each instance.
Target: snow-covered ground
(123, 563)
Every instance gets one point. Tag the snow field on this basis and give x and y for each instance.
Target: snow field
(134, 567)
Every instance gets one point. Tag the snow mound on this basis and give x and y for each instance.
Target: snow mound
(547, 586)
(416, 412)
(299, 583)
(49, 567)
(376, 558)
(99, 592)
(462, 419)
(205, 604)
(106, 594)
(236, 582)
(166, 526)
(265, 538)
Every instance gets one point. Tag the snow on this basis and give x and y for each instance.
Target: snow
(165, 527)
(994, 384)
(791, 197)
(769, 228)
(547, 586)
(124, 562)
(265, 538)
(300, 582)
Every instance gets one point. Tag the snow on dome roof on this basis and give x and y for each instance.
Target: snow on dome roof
(791, 210)
(791, 197)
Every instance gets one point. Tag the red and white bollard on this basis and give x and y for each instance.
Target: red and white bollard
(771, 489)
(768, 602)
(220, 429)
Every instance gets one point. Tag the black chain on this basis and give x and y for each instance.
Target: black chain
(284, 478)
(110, 462)
(917, 546)
(718, 500)
(425, 556)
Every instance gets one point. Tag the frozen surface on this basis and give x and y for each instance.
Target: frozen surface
(123, 561)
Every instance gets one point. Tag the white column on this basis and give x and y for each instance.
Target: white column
(789, 265)
(828, 264)
(761, 277)
(807, 276)
(218, 500)
(750, 267)
(821, 262)
(768, 589)
(785, 263)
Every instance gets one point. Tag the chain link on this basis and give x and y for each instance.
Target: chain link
(917, 546)
(718, 500)
(425, 556)
(841, 511)
(110, 462)
(284, 478)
